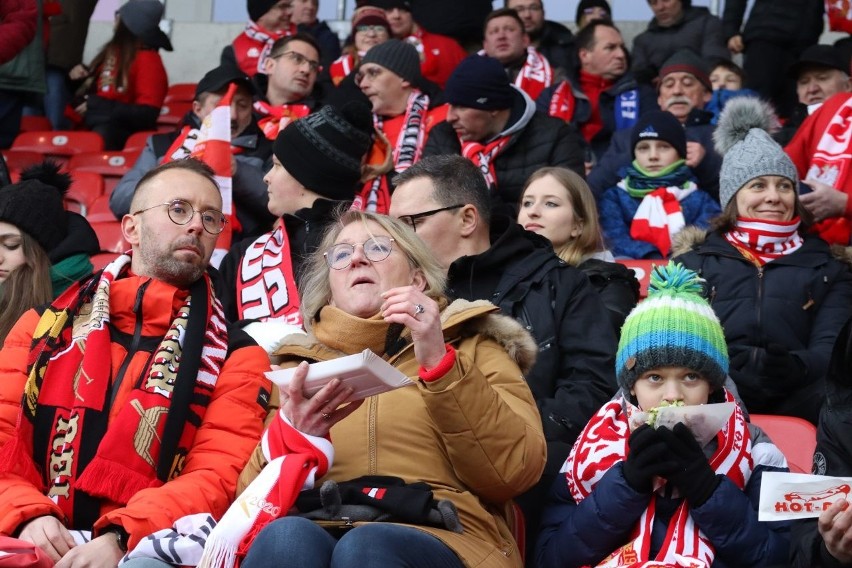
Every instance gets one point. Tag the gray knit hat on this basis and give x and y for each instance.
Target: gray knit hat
(742, 137)
(397, 56)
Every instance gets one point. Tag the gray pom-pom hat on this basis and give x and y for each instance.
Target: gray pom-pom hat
(742, 137)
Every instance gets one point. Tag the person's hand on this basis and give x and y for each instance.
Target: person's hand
(648, 457)
(401, 306)
(781, 366)
(317, 414)
(81, 108)
(78, 72)
(735, 44)
(824, 201)
(694, 154)
(835, 527)
(49, 534)
(694, 477)
(100, 552)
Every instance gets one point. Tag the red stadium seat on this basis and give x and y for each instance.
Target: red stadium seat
(19, 160)
(99, 211)
(59, 144)
(30, 123)
(110, 236)
(795, 437)
(136, 142)
(172, 113)
(101, 259)
(642, 269)
(181, 92)
(111, 165)
(86, 187)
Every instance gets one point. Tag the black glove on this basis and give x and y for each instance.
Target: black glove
(782, 367)
(648, 457)
(694, 477)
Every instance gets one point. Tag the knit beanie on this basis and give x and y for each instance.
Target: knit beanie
(257, 8)
(742, 138)
(659, 125)
(673, 327)
(588, 4)
(391, 4)
(479, 82)
(370, 16)
(324, 150)
(397, 56)
(142, 18)
(687, 61)
(35, 204)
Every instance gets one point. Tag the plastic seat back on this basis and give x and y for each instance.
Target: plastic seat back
(642, 270)
(181, 92)
(110, 165)
(86, 188)
(19, 160)
(795, 437)
(99, 211)
(59, 144)
(110, 236)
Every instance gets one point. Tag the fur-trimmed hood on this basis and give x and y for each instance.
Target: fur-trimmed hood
(460, 319)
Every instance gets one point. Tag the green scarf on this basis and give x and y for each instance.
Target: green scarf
(638, 183)
(69, 270)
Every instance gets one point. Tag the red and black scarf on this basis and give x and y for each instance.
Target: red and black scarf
(64, 442)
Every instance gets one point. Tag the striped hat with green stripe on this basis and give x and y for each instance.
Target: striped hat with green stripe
(673, 327)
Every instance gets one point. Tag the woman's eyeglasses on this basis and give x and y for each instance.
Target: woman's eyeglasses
(376, 249)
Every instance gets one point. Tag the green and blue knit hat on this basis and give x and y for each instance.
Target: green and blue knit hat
(673, 327)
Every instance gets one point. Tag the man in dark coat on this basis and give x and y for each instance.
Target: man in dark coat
(551, 39)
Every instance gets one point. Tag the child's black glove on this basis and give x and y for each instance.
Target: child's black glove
(781, 366)
(694, 477)
(648, 457)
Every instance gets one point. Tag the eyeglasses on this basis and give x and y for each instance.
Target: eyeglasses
(376, 249)
(369, 73)
(412, 219)
(529, 8)
(298, 60)
(375, 28)
(181, 213)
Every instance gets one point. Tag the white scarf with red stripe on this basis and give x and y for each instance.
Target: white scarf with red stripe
(535, 75)
(763, 241)
(483, 155)
(659, 216)
(295, 462)
(603, 443)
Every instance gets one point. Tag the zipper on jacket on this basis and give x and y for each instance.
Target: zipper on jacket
(134, 344)
(712, 295)
(753, 357)
(372, 419)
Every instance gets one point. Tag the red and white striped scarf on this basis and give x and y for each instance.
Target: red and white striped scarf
(603, 443)
(659, 216)
(267, 38)
(294, 462)
(483, 156)
(341, 67)
(763, 241)
(535, 75)
(406, 151)
(563, 103)
(277, 117)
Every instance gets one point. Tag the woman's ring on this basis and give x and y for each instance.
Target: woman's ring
(418, 309)
(326, 416)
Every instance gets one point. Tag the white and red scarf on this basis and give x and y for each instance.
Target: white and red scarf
(266, 285)
(294, 462)
(109, 81)
(563, 103)
(535, 75)
(659, 216)
(267, 38)
(341, 67)
(603, 443)
(763, 241)
(277, 117)
(483, 156)
(839, 15)
(406, 151)
(831, 163)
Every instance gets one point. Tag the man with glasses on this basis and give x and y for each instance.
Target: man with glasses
(289, 83)
(141, 404)
(250, 147)
(551, 39)
(269, 20)
(490, 257)
(404, 112)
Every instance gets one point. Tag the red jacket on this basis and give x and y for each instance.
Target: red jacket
(18, 20)
(440, 56)
(147, 81)
(231, 428)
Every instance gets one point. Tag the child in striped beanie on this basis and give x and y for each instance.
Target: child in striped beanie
(643, 495)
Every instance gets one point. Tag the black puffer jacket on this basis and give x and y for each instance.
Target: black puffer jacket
(556, 43)
(799, 22)
(574, 373)
(616, 286)
(799, 301)
(543, 141)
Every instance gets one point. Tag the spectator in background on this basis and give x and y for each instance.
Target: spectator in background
(553, 40)
(676, 25)
(438, 54)
(494, 124)
(557, 204)
(505, 39)
(590, 10)
(269, 20)
(305, 18)
(781, 294)
(657, 196)
(684, 91)
(461, 21)
(22, 59)
(773, 38)
(43, 248)
(726, 78)
(601, 97)
(126, 81)
(251, 150)
(370, 27)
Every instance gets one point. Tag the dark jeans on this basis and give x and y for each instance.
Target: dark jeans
(11, 107)
(296, 541)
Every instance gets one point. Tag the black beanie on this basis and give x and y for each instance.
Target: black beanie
(480, 82)
(324, 150)
(257, 8)
(35, 204)
(397, 56)
(587, 4)
(659, 125)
